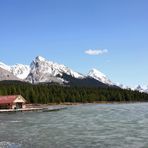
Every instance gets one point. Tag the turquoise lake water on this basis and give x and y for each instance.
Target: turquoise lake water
(82, 126)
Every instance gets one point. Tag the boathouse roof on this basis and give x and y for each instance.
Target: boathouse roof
(10, 99)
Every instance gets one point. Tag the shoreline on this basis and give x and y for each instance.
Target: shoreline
(31, 108)
(79, 103)
(59, 106)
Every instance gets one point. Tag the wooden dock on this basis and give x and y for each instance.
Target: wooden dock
(47, 109)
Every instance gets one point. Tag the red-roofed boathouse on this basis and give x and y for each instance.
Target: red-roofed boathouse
(12, 102)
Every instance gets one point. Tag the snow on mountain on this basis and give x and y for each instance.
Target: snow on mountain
(137, 88)
(18, 70)
(142, 88)
(94, 73)
(43, 70)
(6, 75)
(146, 90)
(123, 86)
(4, 66)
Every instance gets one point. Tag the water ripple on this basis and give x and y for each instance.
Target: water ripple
(84, 126)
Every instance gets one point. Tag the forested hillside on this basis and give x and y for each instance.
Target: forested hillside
(47, 93)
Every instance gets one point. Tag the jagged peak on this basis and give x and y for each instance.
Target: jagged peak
(19, 70)
(43, 69)
(139, 87)
(96, 72)
(4, 66)
(20, 65)
(40, 58)
(42, 65)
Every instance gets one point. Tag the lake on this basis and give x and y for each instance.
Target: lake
(82, 126)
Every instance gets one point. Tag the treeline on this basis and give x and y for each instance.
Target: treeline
(46, 93)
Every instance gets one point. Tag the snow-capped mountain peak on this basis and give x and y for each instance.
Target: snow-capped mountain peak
(4, 66)
(19, 70)
(142, 88)
(54, 68)
(40, 58)
(139, 88)
(42, 70)
(96, 74)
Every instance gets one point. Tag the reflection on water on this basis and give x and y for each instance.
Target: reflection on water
(84, 126)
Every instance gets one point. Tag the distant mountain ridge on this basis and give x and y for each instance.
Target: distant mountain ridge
(6, 75)
(142, 89)
(43, 71)
(19, 70)
(94, 73)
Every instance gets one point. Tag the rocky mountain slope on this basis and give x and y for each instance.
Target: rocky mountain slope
(19, 70)
(142, 89)
(43, 71)
(95, 74)
(6, 75)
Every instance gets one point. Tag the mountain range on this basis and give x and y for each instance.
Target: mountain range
(42, 70)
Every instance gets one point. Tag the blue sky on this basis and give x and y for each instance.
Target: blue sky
(62, 30)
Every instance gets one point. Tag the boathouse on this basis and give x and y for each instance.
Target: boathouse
(12, 102)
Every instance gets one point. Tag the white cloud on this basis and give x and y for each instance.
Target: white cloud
(96, 52)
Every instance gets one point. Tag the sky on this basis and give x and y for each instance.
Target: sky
(109, 35)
